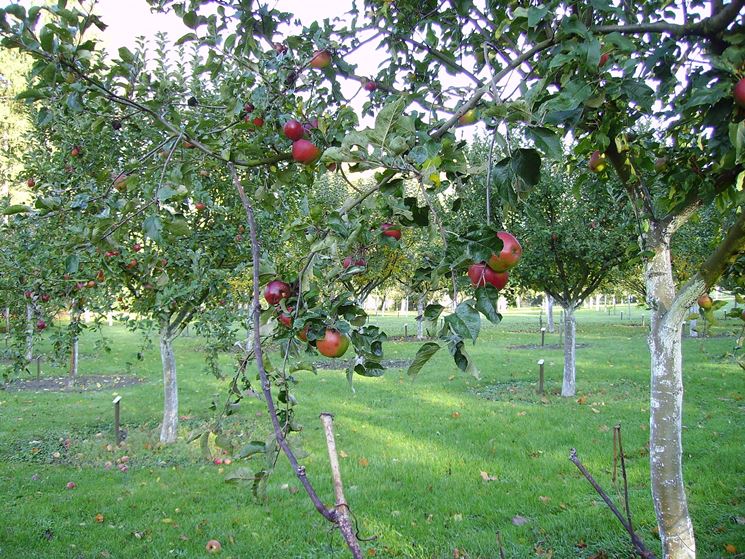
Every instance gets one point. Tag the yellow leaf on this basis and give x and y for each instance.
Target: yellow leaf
(581, 400)
(99, 518)
(729, 548)
(455, 415)
(343, 454)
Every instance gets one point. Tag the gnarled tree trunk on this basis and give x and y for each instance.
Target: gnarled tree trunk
(666, 407)
(569, 385)
(169, 428)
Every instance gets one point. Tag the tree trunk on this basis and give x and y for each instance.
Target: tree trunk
(420, 318)
(29, 332)
(569, 386)
(549, 313)
(518, 301)
(169, 428)
(74, 346)
(666, 408)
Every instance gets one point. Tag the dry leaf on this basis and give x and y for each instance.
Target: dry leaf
(451, 377)
(363, 462)
(582, 400)
(521, 413)
(518, 520)
(599, 555)
(372, 552)
(594, 410)
(99, 518)
(544, 499)
(581, 544)
(729, 548)
(486, 477)
(458, 517)
(455, 415)
(343, 454)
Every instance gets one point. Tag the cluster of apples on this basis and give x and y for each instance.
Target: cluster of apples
(333, 343)
(495, 270)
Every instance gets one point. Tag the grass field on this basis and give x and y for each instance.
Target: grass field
(413, 454)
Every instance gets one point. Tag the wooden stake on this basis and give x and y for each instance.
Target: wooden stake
(117, 430)
(540, 376)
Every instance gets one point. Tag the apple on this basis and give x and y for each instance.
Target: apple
(275, 291)
(481, 274)
(91, 284)
(705, 302)
(597, 162)
(227, 461)
(370, 86)
(120, 182)
(218, 461)
(45, 298)
(305, 152)
(41, 325)
(258, 122)
(303, 334)
(739, 92)
(603, 59)
(293, 130)
(331, 166)
(31, 183)
(321, 59)
(100, 276)
(312, 124)
(510, 255)
(333, 343)
(348, 262)
(286, 318)
(137, 247)
(213, 546)
(248, 108)
(71, 485)
(469, 117)
(75, 151)
(391, 230)
(200, 206)
(28, 294)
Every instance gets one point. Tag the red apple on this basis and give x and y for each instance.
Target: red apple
(597, 162)
(293, 130)
(739, 92)
(200, 206)
(45, 298)
(391, 230)
(218, 461)
(321, 59)
(312, 124)
(71, 485)
(28, 294)
(348, 262)
(370, 86)
(100, 276)
(187, 144)
(481, 274)
(304, 151)
(285, 319)
(75, 151)
(303, 334)
(360, 262)
(131, 264)
(603, 59)
(258, 122)
(510, 255)
(137, 247)
(120, 181)
(41, 325)
(705, 302)
(31, 183)
(213, 546)
(275, 291)
(248, 108)
(333, 343)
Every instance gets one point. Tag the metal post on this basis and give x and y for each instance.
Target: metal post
(543, 337)
(38, 367)
(406, 330)
(117, 430)
(621, 315)
(540, 376)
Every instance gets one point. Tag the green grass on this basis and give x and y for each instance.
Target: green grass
(413, 454)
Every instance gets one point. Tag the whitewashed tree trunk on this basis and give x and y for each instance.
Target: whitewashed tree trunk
(29, 332)
(597, 302)
(169, 428)
(569, 385)
(666, 407)
(420, 318)
(550, 313)
(518, 301)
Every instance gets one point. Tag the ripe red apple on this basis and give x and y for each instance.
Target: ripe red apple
(603, 59)
(739, 92)
(28, 294)
(303, 334)
(360, 262)
(469, 117)
(200, 206)
(275, 291)
(293, 130)
(258, 122)
(75, 151)
(481, 274)
(71, 485)
(31, 183)
(510, 254)
(370, 86)
(333, 343)
(248, 108)
(321, 59)
(45, 298)
(213, 546)
(41, 325)
(137, 247)
(305, 152)
(348, 262)
(705, 302)
(597, 162)
(131, 264)
(391, 230)
(285, 319)
(218, 461)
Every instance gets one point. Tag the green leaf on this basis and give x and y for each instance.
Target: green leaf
(486, 303)
(126, 55)
(423, 355)
(72, 264)
(546, 140)
(46, 38)
(254, 447)
(536, 15)
(240, 474)
(462, 360)
(152, 227)
(386, 121)
(465, 321)
(433, 311)
(16, 209)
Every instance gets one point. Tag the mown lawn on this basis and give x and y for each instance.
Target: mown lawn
(412, 460)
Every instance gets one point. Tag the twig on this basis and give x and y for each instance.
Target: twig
(641, 549)
(342, 508)
(623, 473)
(499, 544)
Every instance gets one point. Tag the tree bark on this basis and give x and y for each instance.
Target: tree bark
(29, 332)
(74, 345)
(550, 313)
(569, 385)
(420, 318)
(666, 407)
(169, 428)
